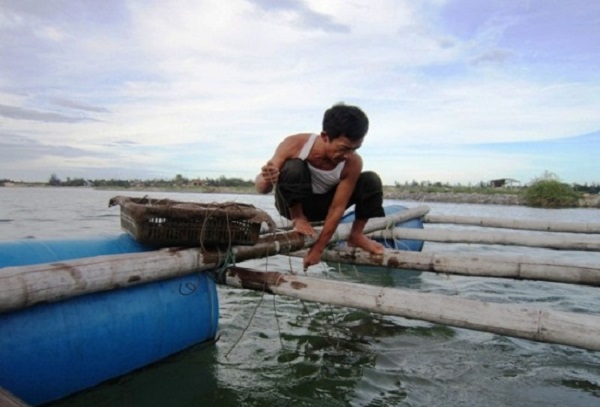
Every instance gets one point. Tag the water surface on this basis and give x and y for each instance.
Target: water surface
(276, 351)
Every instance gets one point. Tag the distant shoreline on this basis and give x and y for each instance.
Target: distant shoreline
(390, 192)
(456, 197)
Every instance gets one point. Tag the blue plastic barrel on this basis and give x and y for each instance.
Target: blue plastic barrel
(397, 244)
(34, 251)
(49, 351)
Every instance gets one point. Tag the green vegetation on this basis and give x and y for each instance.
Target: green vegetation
(176, 183)
(549, 192)
(427, 187)
(546, 191)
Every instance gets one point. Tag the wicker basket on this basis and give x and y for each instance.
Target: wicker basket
(165, 223)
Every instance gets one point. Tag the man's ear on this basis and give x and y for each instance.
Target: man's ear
(325, 136)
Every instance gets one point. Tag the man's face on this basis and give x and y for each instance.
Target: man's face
(341, 148)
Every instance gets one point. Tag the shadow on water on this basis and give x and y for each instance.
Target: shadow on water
(185, 379)
(291, 352)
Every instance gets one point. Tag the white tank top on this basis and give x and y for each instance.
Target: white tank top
(322, 181)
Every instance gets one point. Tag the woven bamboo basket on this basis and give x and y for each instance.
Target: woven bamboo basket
(164, 223)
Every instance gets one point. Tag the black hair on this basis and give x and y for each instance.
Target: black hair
(345, 120)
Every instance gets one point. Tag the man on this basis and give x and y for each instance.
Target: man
(317, 176)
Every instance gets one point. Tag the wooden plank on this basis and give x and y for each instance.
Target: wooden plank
(548, 240)
(508, 266)
(543, 325)
(523, 224)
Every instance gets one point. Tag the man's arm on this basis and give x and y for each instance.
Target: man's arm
(269, 173)
(344, 191)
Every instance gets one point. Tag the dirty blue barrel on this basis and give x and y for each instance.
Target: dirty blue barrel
(35, 251)
(397, 244)
(49, 351)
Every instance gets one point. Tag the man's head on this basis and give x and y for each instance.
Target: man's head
(344, 120)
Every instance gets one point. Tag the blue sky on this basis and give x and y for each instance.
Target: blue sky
(456, 91)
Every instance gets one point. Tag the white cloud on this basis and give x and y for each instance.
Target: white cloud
(234, 77)
(50, 33)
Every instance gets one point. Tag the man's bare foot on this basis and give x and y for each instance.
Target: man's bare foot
(363, 242)
(303, 227)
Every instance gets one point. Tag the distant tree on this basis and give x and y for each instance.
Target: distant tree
(180, 179)
(590, 189)
(74, 182)
(54, 180)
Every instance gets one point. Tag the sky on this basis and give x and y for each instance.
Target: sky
(457, 91)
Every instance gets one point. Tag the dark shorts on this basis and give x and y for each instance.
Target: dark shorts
(294, 185)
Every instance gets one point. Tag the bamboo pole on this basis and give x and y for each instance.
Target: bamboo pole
(572, 227)
(28, 285)
(549, 241)
(580, 330)
(373, 224)
(7, 399)
(387, 222)
(510, 266)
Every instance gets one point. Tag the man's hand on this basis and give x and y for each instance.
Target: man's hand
(312, 257)
(270, 172)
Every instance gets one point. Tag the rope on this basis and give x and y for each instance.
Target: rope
(228, 261)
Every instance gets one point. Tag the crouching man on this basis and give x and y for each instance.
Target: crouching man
(318, 176)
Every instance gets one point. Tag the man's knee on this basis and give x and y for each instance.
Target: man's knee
(293, 170)
(370, 180)
(369, 196)
(293, 185)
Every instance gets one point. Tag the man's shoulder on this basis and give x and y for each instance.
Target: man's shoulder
(355, 159)
(299, 137)
(295, 141)
(353, 165)
(289, 147)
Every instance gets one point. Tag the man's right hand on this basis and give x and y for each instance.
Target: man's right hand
(270, 172)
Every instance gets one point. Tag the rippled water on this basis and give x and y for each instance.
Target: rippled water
(281, 351)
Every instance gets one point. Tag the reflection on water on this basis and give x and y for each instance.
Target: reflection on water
(282, 351)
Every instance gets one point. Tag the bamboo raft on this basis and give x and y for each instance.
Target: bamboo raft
(25, 286)
(28, 285)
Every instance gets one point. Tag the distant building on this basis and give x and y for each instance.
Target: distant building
(504, 182)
